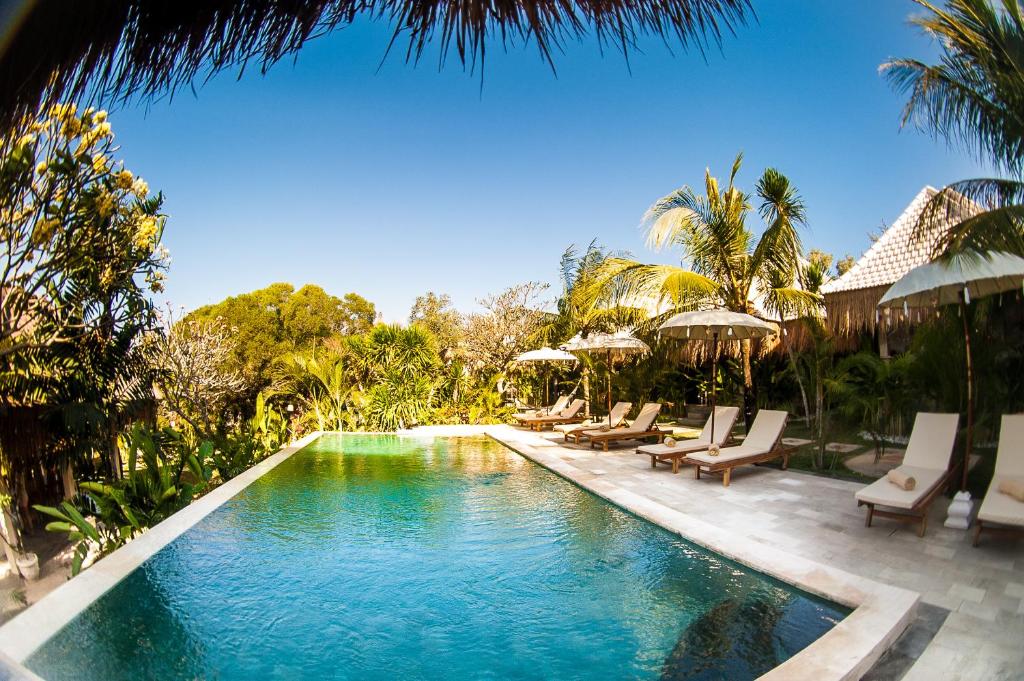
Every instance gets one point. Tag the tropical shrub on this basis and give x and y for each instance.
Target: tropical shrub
(109, 514)
(872, 392)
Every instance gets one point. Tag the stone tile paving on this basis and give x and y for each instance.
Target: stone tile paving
(817, 518)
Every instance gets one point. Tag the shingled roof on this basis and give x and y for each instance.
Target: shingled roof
(851, 300)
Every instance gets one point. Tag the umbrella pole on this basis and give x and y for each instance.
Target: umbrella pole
(970, 394)
(609, 398)
(714, 381)
(547, 378)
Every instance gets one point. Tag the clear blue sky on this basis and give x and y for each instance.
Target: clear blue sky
(394, 181)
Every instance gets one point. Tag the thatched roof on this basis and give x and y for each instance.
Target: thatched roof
(851, 301)
(121, 48)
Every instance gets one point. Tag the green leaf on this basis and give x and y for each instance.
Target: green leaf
(58, 527)
(50, 511)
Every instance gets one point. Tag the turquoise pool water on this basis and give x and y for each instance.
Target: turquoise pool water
(379, 557)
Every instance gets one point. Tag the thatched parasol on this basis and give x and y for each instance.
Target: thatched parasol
(716, 324)
(544, 355)
(618, 345)
(954, 281)
(53, 49)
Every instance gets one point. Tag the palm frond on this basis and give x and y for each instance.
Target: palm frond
(973, 98)
(779, 249)
(980, 214)
(682, 288)
(118, 49)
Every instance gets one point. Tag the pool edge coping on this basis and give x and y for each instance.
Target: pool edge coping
(24, 633)
(847, 651)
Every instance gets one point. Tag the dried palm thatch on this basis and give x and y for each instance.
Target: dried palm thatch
(55, 49)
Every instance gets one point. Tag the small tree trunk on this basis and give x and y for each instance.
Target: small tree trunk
(67, 476)
(586, 393)
(800, 383)
(819, 406)
(748, 385)
(11, 538)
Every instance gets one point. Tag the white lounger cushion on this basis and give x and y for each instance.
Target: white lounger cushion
(644, 420)
(728, 454)
(931, 440)
(568, 412)
(725, 419)
(618, 414)
(998, 507)
(1001, 508)
(885, 493)
(571, 427)
(927, 460)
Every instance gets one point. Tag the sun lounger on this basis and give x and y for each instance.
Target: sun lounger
(568, 415)
(1000, 513)
(576, 432)
(761, 444)
(558, 406)
(927, 461)
(642, 428)
(725, 419)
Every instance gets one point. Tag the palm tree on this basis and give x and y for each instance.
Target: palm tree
(590, 303)
(729, 266)
(974, 98)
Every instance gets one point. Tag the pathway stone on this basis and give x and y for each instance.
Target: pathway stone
(842, 447)
(795, 441)
(865, 463)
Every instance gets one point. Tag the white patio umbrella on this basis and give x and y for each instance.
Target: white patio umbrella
(715, 325)
(545, 354)
(618, 345)
(956, 281)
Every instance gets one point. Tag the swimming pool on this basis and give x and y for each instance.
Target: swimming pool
(366, 556)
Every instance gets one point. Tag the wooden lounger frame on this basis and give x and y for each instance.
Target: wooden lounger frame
(675, 458)
(997, 529)
(626, 434)
(916, 514)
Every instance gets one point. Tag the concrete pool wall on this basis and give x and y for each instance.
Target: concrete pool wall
(847, 651)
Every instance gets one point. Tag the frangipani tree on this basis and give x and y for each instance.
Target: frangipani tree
(729, 266)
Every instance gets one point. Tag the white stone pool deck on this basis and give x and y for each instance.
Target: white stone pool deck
(816, 518)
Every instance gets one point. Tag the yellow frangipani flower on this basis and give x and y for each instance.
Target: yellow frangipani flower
(71, 128)
(124, 179)
(105, 205)
(140, 188)
(63, 111)
(44, 230)
(146, 231)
